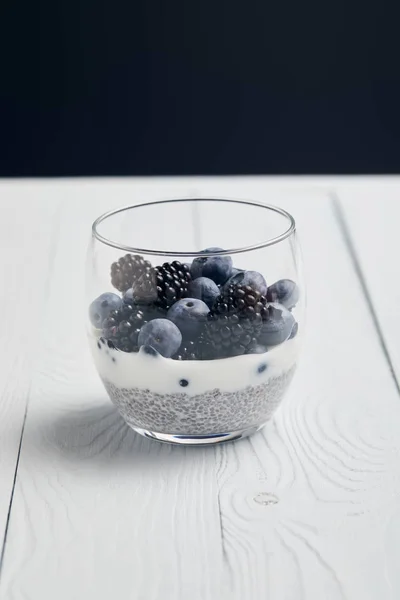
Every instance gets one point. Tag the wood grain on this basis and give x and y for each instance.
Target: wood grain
(372, 215)
(28, 225)
(330, 456)
(96, 506)
(306, 509)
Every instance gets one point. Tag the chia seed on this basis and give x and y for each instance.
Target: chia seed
(209, 413)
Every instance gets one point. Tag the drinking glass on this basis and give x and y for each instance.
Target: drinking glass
(195, 315)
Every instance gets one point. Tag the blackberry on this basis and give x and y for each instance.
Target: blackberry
(172, 280)
(241, 300)
(199, 349)
(144, 288)
(229, 335)
(160, 286)
(186, 352)
(129, 270)
(235, 321)
(205, 351)
(121, 329)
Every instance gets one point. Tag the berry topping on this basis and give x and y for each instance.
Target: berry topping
(162, 335)
(121, 328)
(242, 300)
(278, 326)
(149, 350)
(295, 329)
(187, 351)
(235, 321)
(129, 270)
(217, 268)
(188, 314)
(216, 309)
(204, 289)
(284, 291)
(252, 279)
(172, 280)
(101, 308)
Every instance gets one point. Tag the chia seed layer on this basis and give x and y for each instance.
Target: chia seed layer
(207, 413)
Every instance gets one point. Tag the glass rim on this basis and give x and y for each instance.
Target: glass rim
(269, 242)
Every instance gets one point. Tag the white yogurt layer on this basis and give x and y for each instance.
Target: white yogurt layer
(163, 375)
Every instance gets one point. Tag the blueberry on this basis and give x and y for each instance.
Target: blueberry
(188, 314)
(162, 335)
(284, 291)
(295, 329)
(217, 268)
(261, 368)
(278, 327)
(100, 309)
(149, 350)
(204, 289)
(253, 279)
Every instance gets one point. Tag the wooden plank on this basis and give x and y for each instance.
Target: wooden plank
(371, 214)
(27, 225)
(98, 509)
(305, 509)
(328, 458)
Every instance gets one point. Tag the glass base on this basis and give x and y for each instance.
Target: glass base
(198, 440)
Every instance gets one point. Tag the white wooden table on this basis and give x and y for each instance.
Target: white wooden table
(90, 510)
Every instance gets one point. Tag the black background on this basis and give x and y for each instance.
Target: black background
(230, 87)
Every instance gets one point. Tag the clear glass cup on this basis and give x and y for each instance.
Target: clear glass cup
(195, 315)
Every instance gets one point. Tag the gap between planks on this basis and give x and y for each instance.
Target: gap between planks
(50, 266)
(348, 241)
